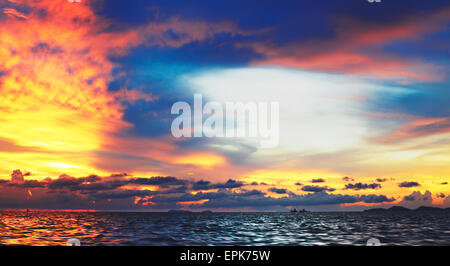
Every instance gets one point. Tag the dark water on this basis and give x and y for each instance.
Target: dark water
(55, 228)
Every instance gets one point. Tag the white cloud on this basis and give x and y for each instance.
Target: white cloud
(318, 112)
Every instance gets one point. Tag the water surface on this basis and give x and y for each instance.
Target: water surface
(101, 228)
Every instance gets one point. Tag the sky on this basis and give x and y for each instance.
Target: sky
(86, 91)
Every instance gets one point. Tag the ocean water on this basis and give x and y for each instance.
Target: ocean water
(101, 228)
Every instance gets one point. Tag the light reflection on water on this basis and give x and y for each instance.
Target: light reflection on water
(55, 228)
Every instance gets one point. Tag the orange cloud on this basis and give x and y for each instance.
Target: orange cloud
(354, 63)
(13, 12)
(55, 104)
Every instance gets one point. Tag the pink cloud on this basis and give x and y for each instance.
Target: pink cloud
(418, 128)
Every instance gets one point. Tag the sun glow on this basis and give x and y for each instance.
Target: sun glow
(63, 165)
(206, 160)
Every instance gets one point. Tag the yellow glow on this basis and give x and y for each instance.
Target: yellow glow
(288, 177)
(198, 202)
(204, 191)
(201, 159)
(139, 187)
(55, 107)
(62, 165)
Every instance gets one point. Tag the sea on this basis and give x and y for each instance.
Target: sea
(53, 228)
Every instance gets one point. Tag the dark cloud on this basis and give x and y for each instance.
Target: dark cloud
(175, 190)
(319, 180)
(119, 175)
(409, 184)
(348, 179)
(201, 185)
(65, 181)
(381, 180)
(96, 183)
(298, 184)
(278, 190)
(444, 183)
(359, 186)
(229, 184)
(376, 199)
(114, 193)
(28, 184)
(158, 181)
(206, 185)
(417, 199)
(17, 176)
(418, 196)
(317, 189)
(118, 194)
(258, 200)
(104, 185)
(92, 178)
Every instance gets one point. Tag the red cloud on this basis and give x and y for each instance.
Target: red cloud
(55, 74)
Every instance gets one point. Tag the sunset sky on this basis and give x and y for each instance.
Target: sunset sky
(86, 91)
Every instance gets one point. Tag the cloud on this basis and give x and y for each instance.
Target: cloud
(278, 190)
(124, 192)
(326, 107)
(417, 196)
(446, 202)
(59, 78)
(317, 189)
(62, 110)
(158, 181)
(409, 184)
(417, 199)
(14, 13)
(440, 195)
(120, 194)
(95, 183)
(419, 127)
(319, 180)
(65, 181)
(258, 201)
(207, 185)
(229, 184)
(359, 186)
(346, 178)
(17, 177)
(28, 184)
(376, 199)
(354, 49)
